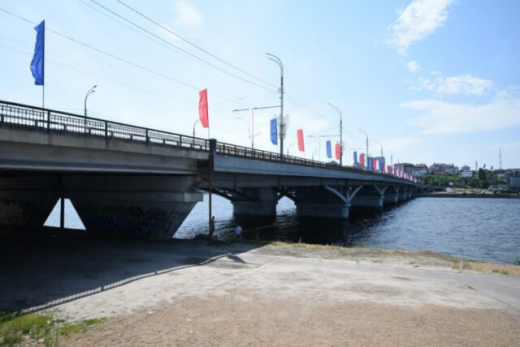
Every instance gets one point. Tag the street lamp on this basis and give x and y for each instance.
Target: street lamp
(292, 144)
(92, 90)
(198, 120)
(282, 123)
(364, 132)
(335, 108)
(382, 155)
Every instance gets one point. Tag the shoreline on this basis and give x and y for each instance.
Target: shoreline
(476, 196)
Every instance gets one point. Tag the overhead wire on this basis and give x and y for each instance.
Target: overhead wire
(309, 111)
(113, 56)
(193, 44)
(83, 71)
(179, 48)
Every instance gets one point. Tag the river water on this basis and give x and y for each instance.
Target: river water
(477, 229)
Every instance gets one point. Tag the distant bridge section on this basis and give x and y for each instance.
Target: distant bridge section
(133, 180)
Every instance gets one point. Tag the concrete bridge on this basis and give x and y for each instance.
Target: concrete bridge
(128, 179)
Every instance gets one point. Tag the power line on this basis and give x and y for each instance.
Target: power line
(121, 23)
(115, 80)
(113, 56)
(311, 112)
(178, 48)
(193, 44)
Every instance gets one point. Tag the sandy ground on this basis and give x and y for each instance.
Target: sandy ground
(193, 295)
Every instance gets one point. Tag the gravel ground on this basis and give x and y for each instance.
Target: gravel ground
(188, 294)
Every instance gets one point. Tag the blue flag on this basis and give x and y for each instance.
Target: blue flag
(274, 131)
(38, 60)
(329, 149)
(355, 158)
(369, 163)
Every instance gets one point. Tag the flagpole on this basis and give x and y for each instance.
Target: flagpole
(43, 67)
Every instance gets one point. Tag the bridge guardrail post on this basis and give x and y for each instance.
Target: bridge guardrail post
(106, 130)
(147, 137)
(48, 121)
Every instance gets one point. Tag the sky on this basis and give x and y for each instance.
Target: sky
(428, 81)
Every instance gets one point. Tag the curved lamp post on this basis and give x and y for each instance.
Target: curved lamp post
(92, 90)
(288, 147)
(198, 120)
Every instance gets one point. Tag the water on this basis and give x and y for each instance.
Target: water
(478, 229)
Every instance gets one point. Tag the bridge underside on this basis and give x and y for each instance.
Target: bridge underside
(124, 179)
(149, 206)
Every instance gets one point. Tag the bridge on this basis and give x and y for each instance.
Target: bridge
(133, 180)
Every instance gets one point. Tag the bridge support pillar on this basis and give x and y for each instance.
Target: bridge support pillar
(403, 194)
(322, 202)
(256, 202)
(369, 197)
(391, 196)
(324, 210)
(26, 202)
(138, 206)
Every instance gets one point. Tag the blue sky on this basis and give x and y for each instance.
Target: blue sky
(428, 80)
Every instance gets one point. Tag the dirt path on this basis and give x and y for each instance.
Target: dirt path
(298, 321)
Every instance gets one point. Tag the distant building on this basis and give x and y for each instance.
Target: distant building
(514, 180)
(414, 170)
(421, 170)
(443, 169)
(465, 172)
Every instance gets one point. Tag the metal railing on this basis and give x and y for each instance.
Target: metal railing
(15, 115)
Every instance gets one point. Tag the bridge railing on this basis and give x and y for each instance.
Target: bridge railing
(15, 115)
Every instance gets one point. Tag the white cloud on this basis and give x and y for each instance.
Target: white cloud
(417, 21)
(461, 84)
(187, 16)
(413, 66)
(442, 117)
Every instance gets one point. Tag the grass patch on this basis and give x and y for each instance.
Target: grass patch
(38, 328)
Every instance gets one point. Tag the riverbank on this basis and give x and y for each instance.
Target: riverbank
(187, 293)
(468, 195)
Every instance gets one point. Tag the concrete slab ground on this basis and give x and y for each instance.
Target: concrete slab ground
(189, 294)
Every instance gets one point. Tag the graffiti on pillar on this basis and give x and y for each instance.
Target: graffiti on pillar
(19, 214)
(133, 220)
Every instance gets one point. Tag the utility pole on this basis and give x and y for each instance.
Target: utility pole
(282, 121)
(252, 109)
(500, 157)
(335, 108)
(319, 143)
(364, 132)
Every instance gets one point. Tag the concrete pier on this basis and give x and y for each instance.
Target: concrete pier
(150, 206)
(323, 210)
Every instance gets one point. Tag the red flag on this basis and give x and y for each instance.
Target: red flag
(374, 164)
(338, 151)
(203, 108)
(362, 160)
(301, 145)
